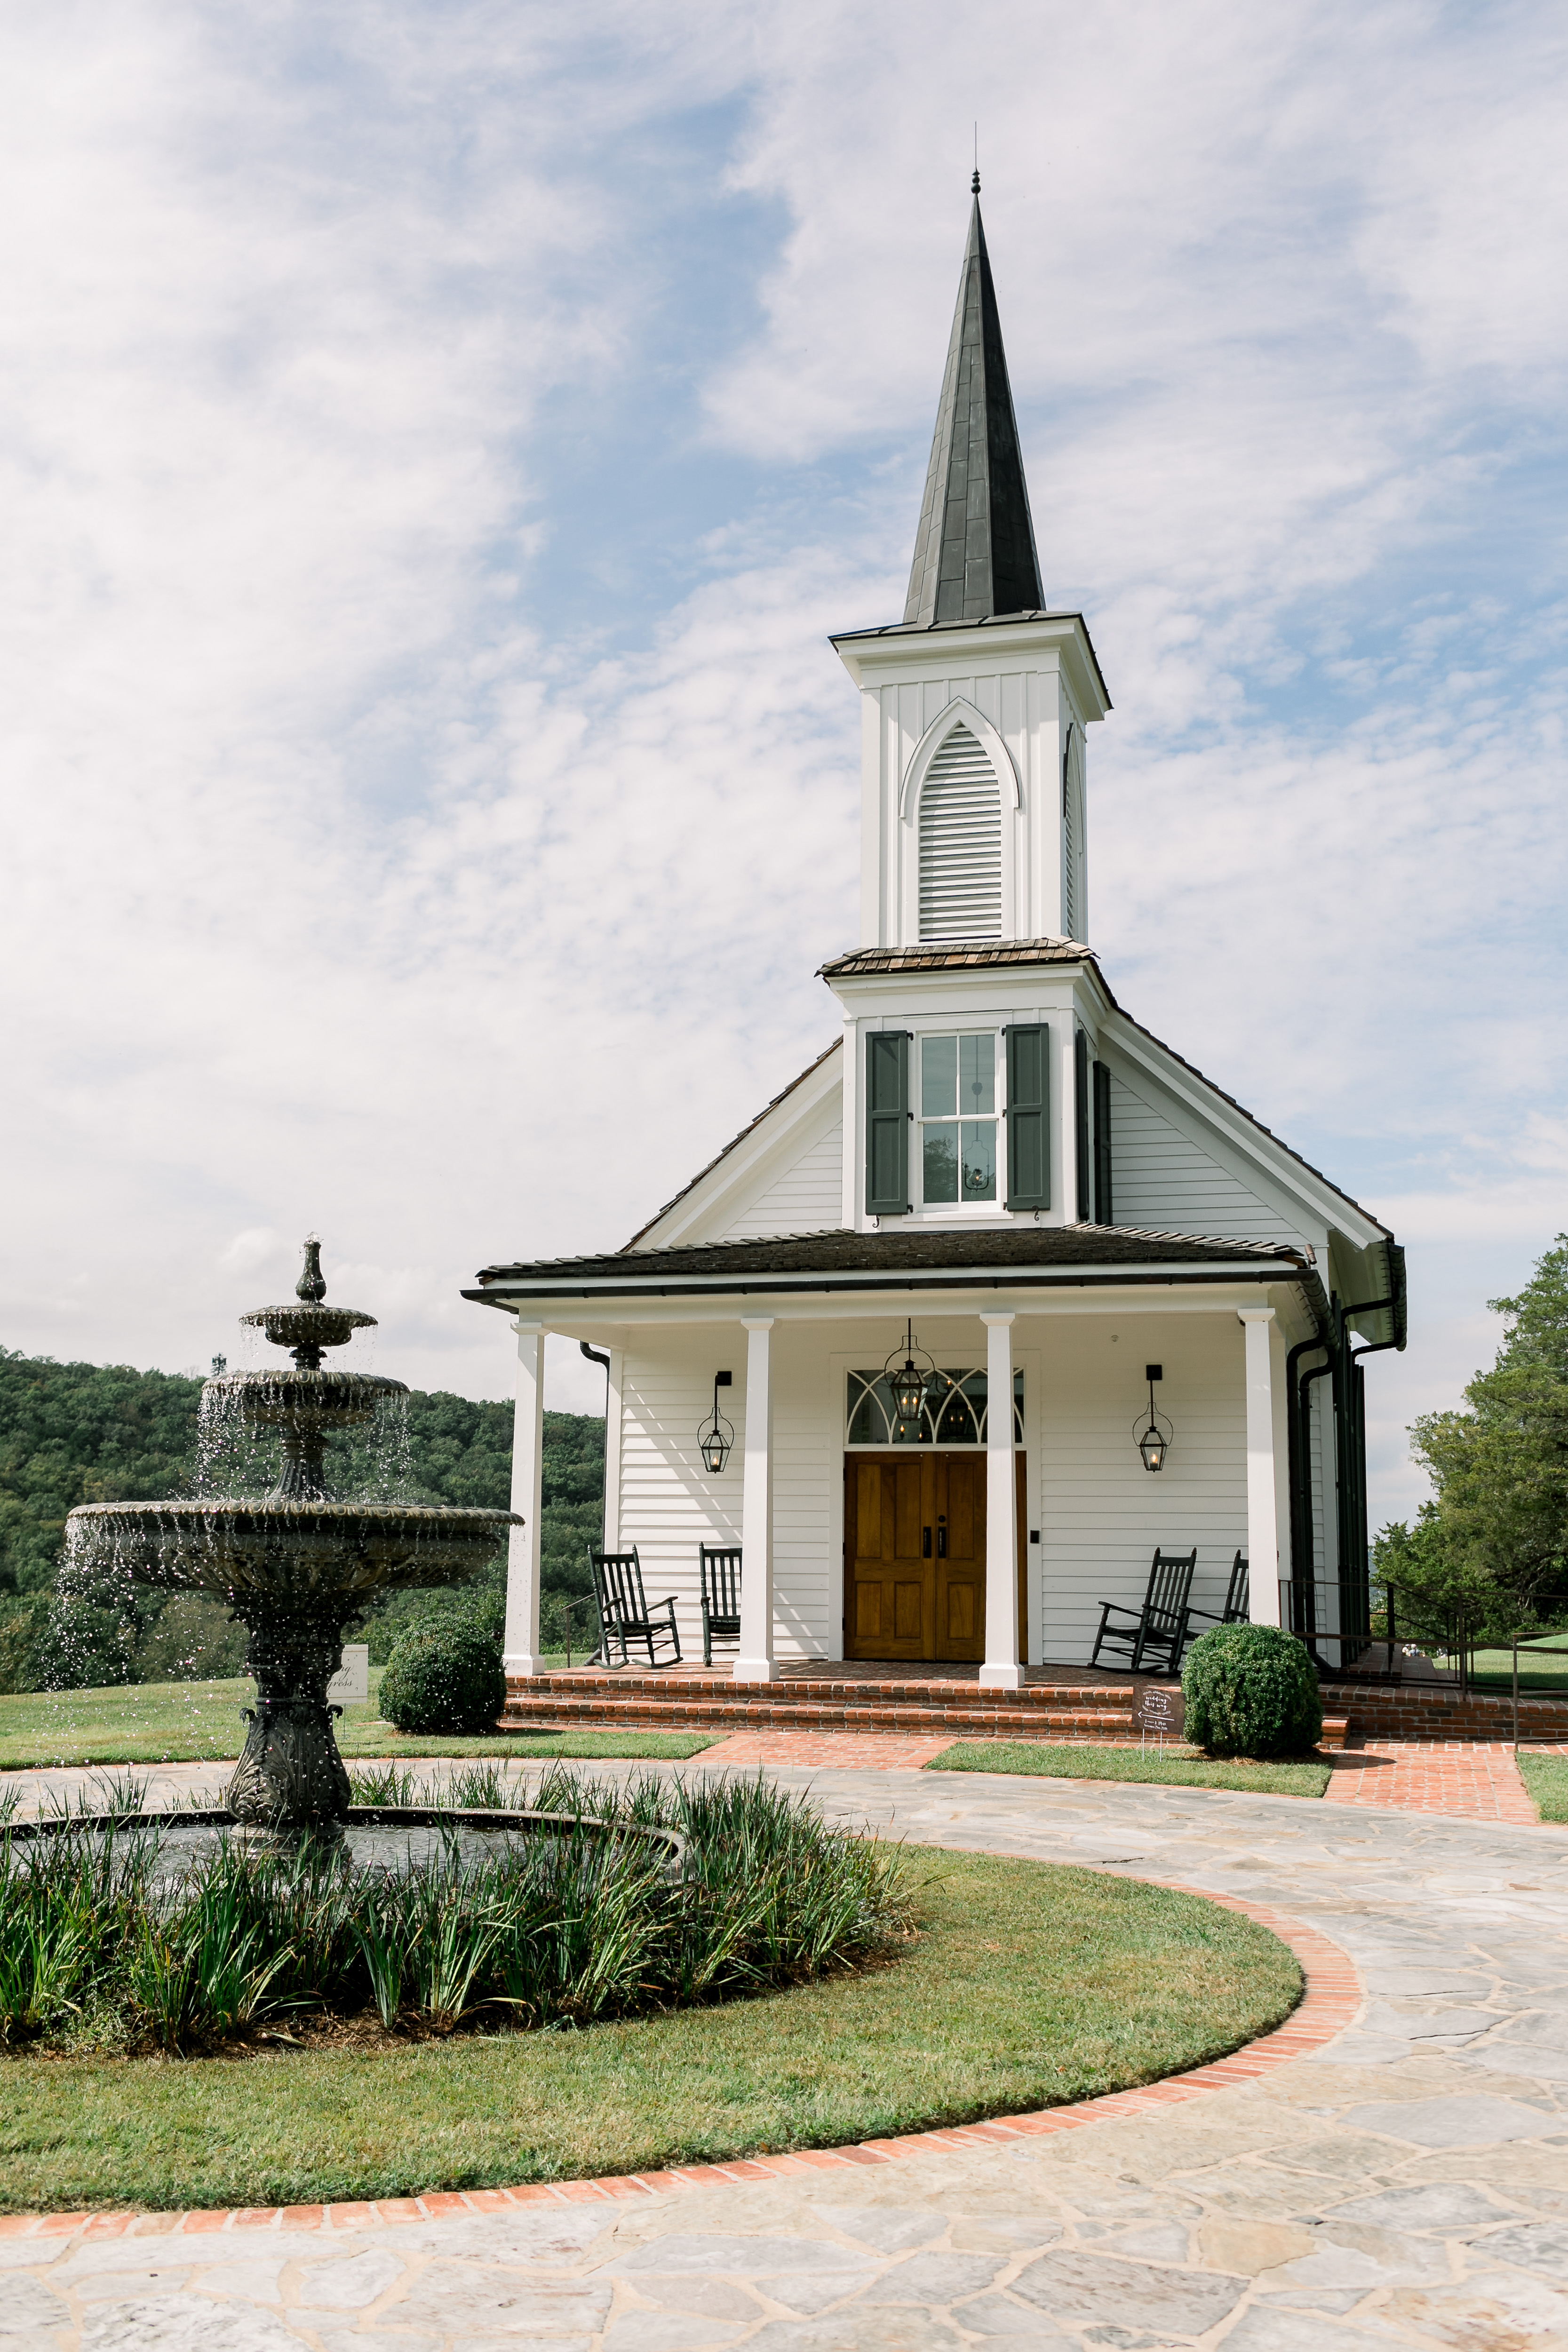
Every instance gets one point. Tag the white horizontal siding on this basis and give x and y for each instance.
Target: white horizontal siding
(669, 1505)
(806, 1198)
(1162, 1180)
(1101, 1513)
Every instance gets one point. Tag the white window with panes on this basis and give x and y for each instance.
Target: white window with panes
(959, 1091)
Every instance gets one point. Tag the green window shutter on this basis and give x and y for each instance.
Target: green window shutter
(1028, 1116)
(1103, 1215)
(1080, 1121)
(888, 1123)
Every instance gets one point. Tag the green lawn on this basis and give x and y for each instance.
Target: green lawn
(1546, 1778)
(1027, 1985)
(172, 1723)
(1541, 1675)
(1175, 1766)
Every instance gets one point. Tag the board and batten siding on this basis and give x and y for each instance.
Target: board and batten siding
(1164, 1182)
(807, 1197)
(1101, 1513)
(670, 1506)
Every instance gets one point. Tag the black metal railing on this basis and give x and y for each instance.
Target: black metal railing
(1352, 1626)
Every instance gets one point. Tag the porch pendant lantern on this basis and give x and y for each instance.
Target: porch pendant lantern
(912, 1387)
(1154, 1435)
(715, 1436)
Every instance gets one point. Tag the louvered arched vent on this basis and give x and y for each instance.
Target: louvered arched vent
(1075, 915)
(960, 843)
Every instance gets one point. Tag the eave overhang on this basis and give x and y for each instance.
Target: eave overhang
(1055, 1259)
(900, 642)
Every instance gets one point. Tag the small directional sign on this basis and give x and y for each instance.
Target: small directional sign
(350, 1685)
(1160, 1707)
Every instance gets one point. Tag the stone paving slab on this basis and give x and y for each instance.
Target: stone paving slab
(1406, 2184)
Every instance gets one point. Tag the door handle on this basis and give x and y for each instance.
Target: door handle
(925, 1543)
(942, 1538)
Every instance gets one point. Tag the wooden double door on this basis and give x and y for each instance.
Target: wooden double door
(914, 1555)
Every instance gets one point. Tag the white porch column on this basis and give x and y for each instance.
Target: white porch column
(520, 1649)
(1000, 1670)
(754, 1661)
(1262, 1513)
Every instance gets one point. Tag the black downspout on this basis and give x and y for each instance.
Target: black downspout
(595, 1357)
(1304, 1407)
(1349, 1467)
(1298, 1477)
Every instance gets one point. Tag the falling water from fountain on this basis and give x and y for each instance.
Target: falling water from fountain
(296, 1565)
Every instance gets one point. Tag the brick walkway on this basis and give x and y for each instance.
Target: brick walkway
(1466, 1780)
(842, 1751)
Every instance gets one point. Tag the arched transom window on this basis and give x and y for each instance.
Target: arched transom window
(961, 843)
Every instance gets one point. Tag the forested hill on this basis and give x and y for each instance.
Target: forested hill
(75, 1433)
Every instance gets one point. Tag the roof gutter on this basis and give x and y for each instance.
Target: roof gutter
(507, 1297)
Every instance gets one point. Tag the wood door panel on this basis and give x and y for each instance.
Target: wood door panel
(889, 1595)
(900, 1601)
(960, 1500)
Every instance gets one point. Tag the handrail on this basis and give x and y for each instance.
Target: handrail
(1529, 1643)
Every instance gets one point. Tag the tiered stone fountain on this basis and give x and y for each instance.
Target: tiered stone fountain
(296, 1566)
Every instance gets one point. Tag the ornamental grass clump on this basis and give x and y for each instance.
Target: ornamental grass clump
(1251, 1690)
(444, 1678)
(104, 1946)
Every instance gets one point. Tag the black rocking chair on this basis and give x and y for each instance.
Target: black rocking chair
(1238, 1599)
(623, 1613)
(719, 1567)
(1153, 1642)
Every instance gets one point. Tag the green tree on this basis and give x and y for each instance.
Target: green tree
(1493, 1543)
(79, 1432)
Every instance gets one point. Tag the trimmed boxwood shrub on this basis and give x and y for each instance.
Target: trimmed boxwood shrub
(1251, 1690)
(444, 1677)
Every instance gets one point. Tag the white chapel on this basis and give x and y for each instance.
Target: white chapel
(1001, 1296)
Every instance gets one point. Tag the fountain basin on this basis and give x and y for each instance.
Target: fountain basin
(309, 1551)
(284, 1396)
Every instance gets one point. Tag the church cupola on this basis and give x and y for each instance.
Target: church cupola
(973, 776)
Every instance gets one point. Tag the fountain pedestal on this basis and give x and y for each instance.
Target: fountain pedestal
(290, 1774)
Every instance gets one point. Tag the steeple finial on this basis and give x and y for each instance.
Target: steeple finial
(974, 551)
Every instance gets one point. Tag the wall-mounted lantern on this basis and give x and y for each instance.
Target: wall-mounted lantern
(715, 1436)
(1154, 1437)
(913, 1385)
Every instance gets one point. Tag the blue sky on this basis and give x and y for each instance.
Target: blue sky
(436, 442)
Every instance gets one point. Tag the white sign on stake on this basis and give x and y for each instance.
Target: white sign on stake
(350, 1683)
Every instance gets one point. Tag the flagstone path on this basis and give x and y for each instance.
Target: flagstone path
(1404, 2184)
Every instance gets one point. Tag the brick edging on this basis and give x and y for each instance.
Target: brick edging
(1331, 2000)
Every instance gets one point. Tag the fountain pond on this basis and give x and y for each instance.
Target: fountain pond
(295, 1565)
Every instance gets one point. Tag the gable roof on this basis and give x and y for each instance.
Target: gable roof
(734, 1143)
(1000, 954)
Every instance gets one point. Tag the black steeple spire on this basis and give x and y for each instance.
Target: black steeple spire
(975, 551)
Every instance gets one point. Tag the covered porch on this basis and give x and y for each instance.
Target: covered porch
(957, 1563)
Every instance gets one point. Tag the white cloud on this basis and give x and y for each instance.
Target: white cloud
(351, 888)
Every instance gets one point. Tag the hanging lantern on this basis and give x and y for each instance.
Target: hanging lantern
(914, 1385)
(715, 1436)
(1155, 1434)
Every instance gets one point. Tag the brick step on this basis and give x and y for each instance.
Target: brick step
(931, 1690)
(775, 1712)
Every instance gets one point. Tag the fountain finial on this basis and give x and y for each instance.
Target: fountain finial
(312, 1284)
